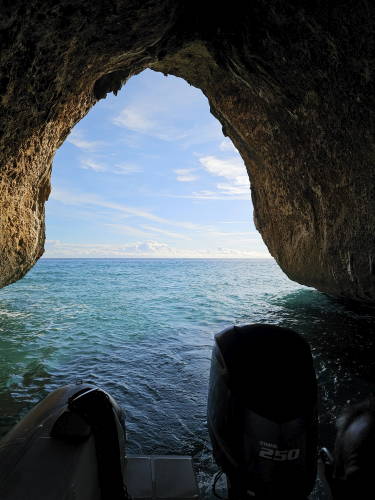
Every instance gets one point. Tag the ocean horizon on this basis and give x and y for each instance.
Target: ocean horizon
(157, 258)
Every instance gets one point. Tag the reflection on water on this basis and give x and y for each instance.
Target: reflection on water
(143, 330)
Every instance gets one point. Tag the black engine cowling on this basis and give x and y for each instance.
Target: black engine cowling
(262, 415)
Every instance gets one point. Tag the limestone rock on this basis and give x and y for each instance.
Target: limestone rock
(292, 85)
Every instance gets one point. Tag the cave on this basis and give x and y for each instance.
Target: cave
(292, 84)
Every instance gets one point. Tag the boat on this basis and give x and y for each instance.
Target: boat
(71, 446)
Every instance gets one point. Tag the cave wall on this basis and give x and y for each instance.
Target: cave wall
(292, 85)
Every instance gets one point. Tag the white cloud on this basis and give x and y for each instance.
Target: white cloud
(186, 174)
(76, 138)
(152, 247)
(233, 190)
(187, 178)
(136, 120)
(142, 249)
(117, 168)
(232, 169)
(89, 164)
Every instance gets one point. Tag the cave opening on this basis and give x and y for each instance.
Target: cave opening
(148, 173)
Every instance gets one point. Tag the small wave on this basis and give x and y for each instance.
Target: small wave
(14, 314)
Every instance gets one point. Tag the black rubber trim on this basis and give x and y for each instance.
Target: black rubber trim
(95, 406)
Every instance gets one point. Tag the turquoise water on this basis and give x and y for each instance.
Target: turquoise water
(143, 330)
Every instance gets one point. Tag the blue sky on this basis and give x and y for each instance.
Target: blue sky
(148, 173)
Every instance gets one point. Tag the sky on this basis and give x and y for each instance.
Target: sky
(149, 174)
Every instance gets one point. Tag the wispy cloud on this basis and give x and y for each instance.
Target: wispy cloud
(231, 189)
(211, 195)
(167, 233)
(89, 164)
(88, 199)
(142, 249)
(129, 230)
(149, 121)
(136, 120)
(186, 174)
(123, 168)
(76, 138)
(145, 231)
(165, 111)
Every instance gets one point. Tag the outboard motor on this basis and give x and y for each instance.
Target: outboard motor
(351, 472)
(262, 415)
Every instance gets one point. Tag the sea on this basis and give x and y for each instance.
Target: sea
(143, 330)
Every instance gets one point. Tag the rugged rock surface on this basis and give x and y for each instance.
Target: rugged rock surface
(293, 86)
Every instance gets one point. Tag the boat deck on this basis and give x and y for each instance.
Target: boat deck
(161, 477)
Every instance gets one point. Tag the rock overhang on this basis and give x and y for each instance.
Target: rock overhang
(291, 84)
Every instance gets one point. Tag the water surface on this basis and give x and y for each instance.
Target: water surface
(143, 330)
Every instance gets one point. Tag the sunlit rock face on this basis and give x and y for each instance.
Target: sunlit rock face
(292, 86)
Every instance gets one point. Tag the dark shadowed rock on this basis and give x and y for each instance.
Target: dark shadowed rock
(292, 85)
